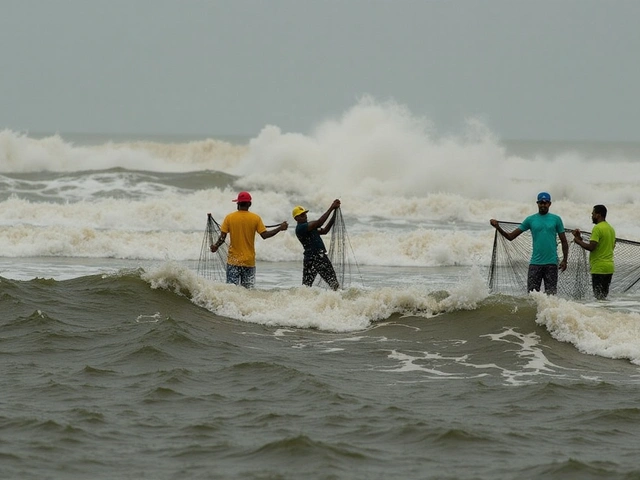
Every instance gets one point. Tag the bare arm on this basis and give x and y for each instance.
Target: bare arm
(324, 230)
(577, 238)
(508, 235)
(214, 247)
(270, 233)
(565, 251)
(316, 224)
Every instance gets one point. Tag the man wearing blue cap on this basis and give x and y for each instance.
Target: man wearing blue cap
(544, 227)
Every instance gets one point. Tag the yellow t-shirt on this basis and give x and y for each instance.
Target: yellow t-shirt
(242, 226)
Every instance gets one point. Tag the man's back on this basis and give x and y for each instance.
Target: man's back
(242, 226)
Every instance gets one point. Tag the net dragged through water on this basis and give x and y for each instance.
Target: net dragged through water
(342, 256)
(212, 266)
(510, 264)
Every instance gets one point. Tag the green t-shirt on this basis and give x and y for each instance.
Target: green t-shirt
(601, 259)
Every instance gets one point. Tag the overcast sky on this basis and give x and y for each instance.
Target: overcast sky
(540, 69)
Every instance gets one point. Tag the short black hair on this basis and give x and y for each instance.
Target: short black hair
(600, 210)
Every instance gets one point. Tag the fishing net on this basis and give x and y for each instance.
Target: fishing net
(510, 265)
(212, 265)
(342, 256)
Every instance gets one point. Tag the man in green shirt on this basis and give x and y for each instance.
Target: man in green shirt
(600, 246)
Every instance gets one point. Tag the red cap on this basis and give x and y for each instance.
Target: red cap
(243, 197)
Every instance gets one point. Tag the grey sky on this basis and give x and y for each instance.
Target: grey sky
(541, 69)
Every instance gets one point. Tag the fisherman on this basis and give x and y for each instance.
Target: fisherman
(544, 227)
(600, 246)
(243, 225)
(316, 262)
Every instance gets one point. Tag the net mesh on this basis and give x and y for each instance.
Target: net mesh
(212, 266)
(510, 265)
(342, 256)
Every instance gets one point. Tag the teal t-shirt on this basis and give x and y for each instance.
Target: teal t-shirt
(601, 259)
(544, 230)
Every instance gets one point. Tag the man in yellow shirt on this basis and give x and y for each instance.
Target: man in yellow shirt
(600, 246)
(243, 225)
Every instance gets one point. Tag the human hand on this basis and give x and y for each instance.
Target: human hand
(493, 222)
(563, 265)
(284, 226)
(214, 248)
(335, 204)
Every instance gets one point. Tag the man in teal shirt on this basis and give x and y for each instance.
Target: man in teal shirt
(600, 246)
(544, 227)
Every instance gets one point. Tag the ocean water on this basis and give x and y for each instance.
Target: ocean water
(120, 361)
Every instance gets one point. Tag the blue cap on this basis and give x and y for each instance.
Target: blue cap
(544, 197)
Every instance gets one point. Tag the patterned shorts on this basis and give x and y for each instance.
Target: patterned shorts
(314, 265)
(245, 276)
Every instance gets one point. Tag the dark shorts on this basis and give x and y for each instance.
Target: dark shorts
(319, 264)
(600, 283)
(538, 274)
(245, 276)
